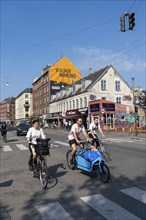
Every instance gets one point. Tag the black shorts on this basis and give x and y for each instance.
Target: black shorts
(71, 142)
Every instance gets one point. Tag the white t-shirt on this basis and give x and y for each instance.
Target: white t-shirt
(77, 129)
(34, 134)
(94, 127)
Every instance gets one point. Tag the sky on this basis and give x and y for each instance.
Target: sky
(37, 33)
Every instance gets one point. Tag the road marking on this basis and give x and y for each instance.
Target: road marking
(114, 140)
(21, 147)
(53, 211)
(53, 145)
(7, 148)
(107, 208)
(135, 193)
(62, 143)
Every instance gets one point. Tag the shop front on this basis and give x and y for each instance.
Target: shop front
(104, 110)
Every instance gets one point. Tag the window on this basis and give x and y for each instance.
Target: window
(118, 100)
(26, 96)
(77, 103)
(81, 103)
(117, 85)
(103, 98)
(83, 85)
(70, 105)
(74, 88)
(73, 103)
(85, 101)
(67, 106)
(103, 85)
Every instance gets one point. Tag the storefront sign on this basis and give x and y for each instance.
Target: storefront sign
(72, 112)
(108, 106)
(94, 107)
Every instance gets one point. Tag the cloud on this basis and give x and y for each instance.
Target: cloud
(97, 58)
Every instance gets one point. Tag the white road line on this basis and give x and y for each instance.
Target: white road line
(21, 147)
(7, 148)
(62, 143)
(53, 145)
(107, 208)
(135, 193)
(53, 211)
(114, 140)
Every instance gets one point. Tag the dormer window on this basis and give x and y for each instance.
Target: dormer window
(74, 88)
(83, 85)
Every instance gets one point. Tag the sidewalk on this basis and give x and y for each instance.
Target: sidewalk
(111, 133)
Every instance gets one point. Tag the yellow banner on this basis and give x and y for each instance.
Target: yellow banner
(64, 71)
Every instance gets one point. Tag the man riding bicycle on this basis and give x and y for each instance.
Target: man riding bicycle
(34, 133)
(73, 136)
(4, 131)
(92, 132)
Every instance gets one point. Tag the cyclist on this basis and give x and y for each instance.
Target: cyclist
(73, 136)
(92, 132)
(4, 131)
(34, 133)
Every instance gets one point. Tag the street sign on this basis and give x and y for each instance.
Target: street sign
(102, 111)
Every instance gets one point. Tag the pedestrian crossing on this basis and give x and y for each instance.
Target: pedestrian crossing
(102, 205)
(57, 144)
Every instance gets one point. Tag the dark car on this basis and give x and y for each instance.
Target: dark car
(22, 129)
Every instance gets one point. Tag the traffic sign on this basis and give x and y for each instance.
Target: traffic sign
(102, 111)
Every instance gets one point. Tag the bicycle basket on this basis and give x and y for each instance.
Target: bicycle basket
(42, 147)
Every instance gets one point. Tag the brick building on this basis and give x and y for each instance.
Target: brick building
(7, 110)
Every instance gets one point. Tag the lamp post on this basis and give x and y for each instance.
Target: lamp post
(135, 106)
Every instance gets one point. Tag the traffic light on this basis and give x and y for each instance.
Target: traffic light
(131, 21)
(122, 23)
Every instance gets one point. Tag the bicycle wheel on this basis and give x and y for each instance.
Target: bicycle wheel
(68, 159)
(106, 152)
(43, 172)
(104, 173)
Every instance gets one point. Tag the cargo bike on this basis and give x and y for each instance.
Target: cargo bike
(90, 161)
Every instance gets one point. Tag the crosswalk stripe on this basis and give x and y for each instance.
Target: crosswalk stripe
(62, 143)
(53, 211)
(135, 193)
(21, 147)
(107, 208)
(7, 148)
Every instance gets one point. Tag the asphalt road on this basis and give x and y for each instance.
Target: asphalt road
(73, 194)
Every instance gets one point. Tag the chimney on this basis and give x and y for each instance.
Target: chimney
(90, 71)
(132, 83)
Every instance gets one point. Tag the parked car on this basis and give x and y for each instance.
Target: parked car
(22, 129)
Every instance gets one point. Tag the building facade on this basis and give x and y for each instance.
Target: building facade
(23, 104)
(7, 110)
(52, 79)
(105, 84)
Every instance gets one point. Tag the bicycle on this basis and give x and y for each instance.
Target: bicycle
(90, 161)
(39, 168)
(105, 151)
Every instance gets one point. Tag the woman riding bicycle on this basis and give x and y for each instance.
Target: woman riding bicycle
(4, 131)
(73, 136)
(92, 132)
(34, 133)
